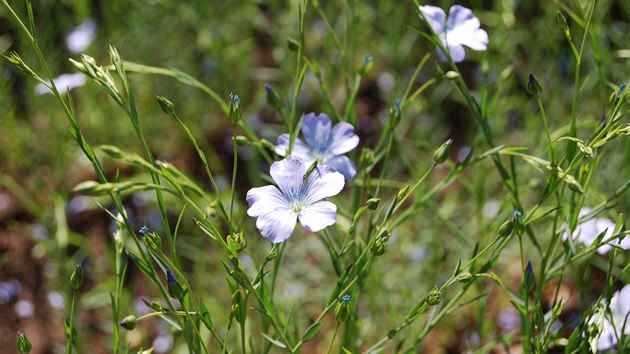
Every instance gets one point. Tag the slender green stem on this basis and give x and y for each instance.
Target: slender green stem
(70, 342)
(332, 341)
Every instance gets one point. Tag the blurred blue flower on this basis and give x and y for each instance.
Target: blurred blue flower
(616, 322)
(326, 144)
(294, 198)
(461, 28)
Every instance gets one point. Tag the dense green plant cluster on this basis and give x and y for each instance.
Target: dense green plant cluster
(475, 200)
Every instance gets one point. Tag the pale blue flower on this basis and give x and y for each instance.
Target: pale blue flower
(460, 29)
(616, 323)
(295, 198)
(326, 144)
(80, 37)
(64, 83)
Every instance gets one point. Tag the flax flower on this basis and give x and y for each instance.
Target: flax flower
(296, 197)
(461, 28)
(324, 143)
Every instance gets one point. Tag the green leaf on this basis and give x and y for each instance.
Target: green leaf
(311, 331)
(274, 341)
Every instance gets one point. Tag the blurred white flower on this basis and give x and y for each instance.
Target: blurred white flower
(461, 28)
(615, 323)
(64, 83)
(587, 232)
(80, 37)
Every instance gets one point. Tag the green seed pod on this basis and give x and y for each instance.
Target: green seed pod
(434, 297)
(23, 344)
(167, 106)
(441, 153)
(129, 322)
(372, 203)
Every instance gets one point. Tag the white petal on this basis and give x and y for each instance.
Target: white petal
(318, 216)
(435, 16)
(299, 148)
(460, 17)
(323, 182)
(64, 83)
(342, 139)
(80, 38)
(288, 175)
(316, 129)
(476, 39)
(264, 200)
(277, 226)
(620, 304)
(457, 52)
(343, 165)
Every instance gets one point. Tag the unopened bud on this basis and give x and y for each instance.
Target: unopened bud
(366, 66)
(166, 105)
(434, 297)
(464, 277)
(506, 228)
(342, 310)
(175, 290)
(533, 86)
(272, 97)
(236, 242)
(529, 279)
(441, 153)
(153, 305)
(76, 278)
(372, 203)
(129, 322)
(451, 75)
(23, 344)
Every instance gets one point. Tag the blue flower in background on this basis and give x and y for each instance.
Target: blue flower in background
(460, 29)
(295, 198)
(326, 144)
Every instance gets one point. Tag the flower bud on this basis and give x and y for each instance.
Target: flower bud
(372, 203)
(241, 140)
(464, 277)
(272, 97)
(236, 242)
(152, 241)
(76, 278)
(441, 153)
(434, 297)
(366, 66)
(342, 311)
(529, 279)
(533, 86)
(23, 344)
(451, 75)
(166, 105)
(175, 290)
(129, 322)
(506, 228)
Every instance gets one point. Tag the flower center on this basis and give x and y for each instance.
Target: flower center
(297, 206)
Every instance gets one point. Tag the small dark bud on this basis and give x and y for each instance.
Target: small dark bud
(23, 344)
(506, 228)
(533, 86)
(372, 203)
(272, 97)
(529, 279)
(129, 322)
(153, 305)
(76, 278)
(143, 231)
(166, 105)
(175, 290)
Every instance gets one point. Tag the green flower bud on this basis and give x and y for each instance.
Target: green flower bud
(272, 97)
(129, 322)
(175, 289)
(153, 305)
(441, 154)
(153, 241)
(464, 277)
(533, 86)
(372, 203)
(23, 344)
(342, 311)
(236, 242)
(506, 228)
(366, 66)
(451, 75)
(167, 106)
(76, 278)
(434, 297)
(529, 279)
